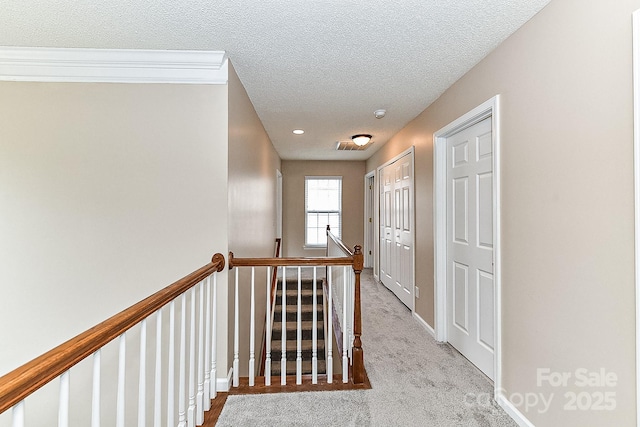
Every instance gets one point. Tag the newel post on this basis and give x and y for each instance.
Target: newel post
(357, 353)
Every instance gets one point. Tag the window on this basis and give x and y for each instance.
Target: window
(323, 206)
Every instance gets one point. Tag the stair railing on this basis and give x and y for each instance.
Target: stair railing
(272, 296)
(195, 368)
(346, 310)
(311, 268)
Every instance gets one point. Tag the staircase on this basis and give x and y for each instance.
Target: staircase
(306, 312)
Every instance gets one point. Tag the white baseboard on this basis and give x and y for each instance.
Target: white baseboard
(513, 412)
(424, 323)
(224, 384)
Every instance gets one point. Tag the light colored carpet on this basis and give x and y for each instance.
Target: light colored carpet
(415, 381)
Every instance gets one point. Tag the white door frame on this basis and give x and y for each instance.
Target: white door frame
(636, 184)
(489, 108)
(411, 151)
(376, 225)
(369, 209)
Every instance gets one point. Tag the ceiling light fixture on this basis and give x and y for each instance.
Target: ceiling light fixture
(361, 139)
(298, 131)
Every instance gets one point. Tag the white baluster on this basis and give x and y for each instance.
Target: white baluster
(63, 405)
(345, 331)
(314, 348)
(236, 338)
(267, 359)
(171, 374)
(182, 414)
(157, 402)
(299, 331)
(17, 414)
(283, 332)
(252, 330)
(121, 381)
(95, 393)
(352, 297)
(142, 378)
(214, 337)
(329, 333)
(207, 348)
(200, 369)
(191, 409)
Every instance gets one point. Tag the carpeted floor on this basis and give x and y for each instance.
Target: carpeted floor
(415, 381)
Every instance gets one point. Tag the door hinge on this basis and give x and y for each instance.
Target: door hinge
(369, 219)
(369, 252)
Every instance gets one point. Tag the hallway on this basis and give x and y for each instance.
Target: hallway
(415, 381)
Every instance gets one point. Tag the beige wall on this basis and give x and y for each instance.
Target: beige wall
(293, 174)
(567, 200)
(109, 192)
(252, 206)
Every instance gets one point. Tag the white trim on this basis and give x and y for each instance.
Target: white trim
(440, 237)
(376, 226)
(306, 213)
(224, 384)
(636, 182)
(368, 213)
(513, 412)
(36, 64)
(424, 324)
(410, 151)
(491, 109)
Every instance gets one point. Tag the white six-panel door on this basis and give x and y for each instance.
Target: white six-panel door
(396, 228)
(470, 283)
(386, 232)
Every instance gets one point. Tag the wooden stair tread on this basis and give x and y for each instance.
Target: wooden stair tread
(293, 308)
(305, 325)
(291, 367)
(292, 346)
(294, 292)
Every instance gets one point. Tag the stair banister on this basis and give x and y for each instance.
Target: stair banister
(351, 259)
(271, 291)
(357, 353)
(18, 384)
(357, 257)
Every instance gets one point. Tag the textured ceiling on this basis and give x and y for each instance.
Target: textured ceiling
(323, 66)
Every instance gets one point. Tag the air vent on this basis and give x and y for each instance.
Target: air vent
(350, 146)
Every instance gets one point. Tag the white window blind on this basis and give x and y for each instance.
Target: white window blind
(323, 206)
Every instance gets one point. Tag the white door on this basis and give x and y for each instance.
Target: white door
(386, 235)
(396, 231)
(470, 284)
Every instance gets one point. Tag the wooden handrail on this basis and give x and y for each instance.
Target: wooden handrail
(338, 242)
(274, 275)
(21, 382)
(287, 262)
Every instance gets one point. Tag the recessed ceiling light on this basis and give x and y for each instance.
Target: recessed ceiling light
(298, 131)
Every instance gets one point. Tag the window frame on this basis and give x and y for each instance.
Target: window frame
(306, 211)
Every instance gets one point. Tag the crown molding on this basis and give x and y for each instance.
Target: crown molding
(32, 64)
